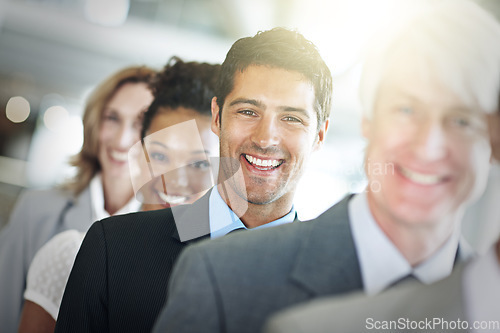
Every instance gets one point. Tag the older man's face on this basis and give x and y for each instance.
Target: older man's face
(428, 153)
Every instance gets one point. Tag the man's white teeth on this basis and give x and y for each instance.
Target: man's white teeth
(262, 163)
(420, 178)
(172, 199)
(119, 156)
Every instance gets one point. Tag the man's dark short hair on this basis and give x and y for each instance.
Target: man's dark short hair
(279, 48)
(182, 84)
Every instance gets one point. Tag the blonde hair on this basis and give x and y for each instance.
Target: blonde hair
(458, 38)
(87, 161)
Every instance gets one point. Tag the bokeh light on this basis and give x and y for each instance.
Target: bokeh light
(17, 109)
(55, 118)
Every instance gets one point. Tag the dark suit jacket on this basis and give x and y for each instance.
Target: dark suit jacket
(119, 280)
(233, 284)
(359, 313)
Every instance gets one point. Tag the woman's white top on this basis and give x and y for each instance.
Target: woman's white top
(49, 271)
(50, 268)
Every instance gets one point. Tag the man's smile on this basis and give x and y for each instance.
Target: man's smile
(263, 164)
(425, 179)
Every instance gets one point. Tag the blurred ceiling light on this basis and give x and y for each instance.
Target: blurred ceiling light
(107, 12)
(17, 109)
(55, 118)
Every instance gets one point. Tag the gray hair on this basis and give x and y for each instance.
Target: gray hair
(457, 37)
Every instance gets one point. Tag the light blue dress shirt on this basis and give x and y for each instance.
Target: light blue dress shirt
(223, 220)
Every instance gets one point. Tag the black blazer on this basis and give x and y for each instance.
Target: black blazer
(119, 280)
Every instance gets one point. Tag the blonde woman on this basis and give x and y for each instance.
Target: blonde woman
(102, 187)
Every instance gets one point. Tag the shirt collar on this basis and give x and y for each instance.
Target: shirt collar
(223, 220)
(380, 260)
(97, 201)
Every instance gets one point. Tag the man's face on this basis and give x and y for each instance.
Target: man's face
(428, 153)
(269, 129)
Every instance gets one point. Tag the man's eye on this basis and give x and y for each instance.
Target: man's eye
(406, 110)
(201, 164)
(247, 112)
(292, 119)
(461, 122)
(158, 157)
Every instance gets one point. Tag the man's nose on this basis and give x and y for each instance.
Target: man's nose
(266, 133)
(430, 141)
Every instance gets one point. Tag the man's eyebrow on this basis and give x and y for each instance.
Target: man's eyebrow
(462, 108)
(467, 110)
(247, 101)
(261, 105)
(302, 111)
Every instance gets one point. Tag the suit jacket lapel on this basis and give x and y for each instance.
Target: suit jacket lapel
(78, 212)
(192, 221)
(444, 298)
(327, 262)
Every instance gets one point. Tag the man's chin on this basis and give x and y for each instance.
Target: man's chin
(413, 216)
(262, 197)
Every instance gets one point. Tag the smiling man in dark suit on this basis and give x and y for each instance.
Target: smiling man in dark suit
(270, 111)
(426, 90)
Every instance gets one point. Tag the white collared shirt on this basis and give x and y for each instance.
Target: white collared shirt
(97, 201)
(382, 263)
(482, 290)
(223, 220)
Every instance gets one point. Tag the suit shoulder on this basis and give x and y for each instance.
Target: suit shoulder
(44, 199)
(138, 228)
(411, 300)
(279, 241)
(37, 208)
(337, 212)
(139, 219)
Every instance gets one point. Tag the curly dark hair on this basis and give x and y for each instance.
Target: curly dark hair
(279, 48)
(182, 84)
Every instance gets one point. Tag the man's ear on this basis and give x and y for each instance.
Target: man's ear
(215, 117)
(366, 127)
(321, 135)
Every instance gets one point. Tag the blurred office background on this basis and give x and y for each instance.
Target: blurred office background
(53, 52)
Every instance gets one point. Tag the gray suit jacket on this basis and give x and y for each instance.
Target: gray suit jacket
(358, 313)
(234, 283)
(36, 218)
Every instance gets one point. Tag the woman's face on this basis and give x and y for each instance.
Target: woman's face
(179, 144)
(120, 128)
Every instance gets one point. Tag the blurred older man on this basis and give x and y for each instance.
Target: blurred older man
(466, 301)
